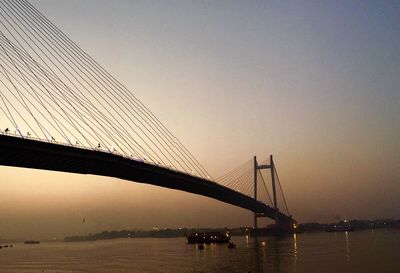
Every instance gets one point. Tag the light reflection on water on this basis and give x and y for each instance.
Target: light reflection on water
(346, 236)
(295, 252)
(314, 252)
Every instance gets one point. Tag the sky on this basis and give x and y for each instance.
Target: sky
(315, 84)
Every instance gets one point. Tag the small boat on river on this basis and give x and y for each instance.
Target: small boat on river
(31, 242)
(231, 245)
(208, 237)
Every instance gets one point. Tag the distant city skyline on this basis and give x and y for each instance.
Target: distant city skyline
(314, 84)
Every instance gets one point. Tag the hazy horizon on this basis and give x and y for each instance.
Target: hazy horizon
(314, 84)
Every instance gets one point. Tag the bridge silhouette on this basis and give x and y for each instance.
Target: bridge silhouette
(61, 111)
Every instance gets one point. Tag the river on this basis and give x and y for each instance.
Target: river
(356, 252)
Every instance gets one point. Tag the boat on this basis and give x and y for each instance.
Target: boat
(31, 242)
(231, 245)
(208, 237)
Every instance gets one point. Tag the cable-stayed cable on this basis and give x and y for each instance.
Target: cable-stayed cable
(141, 106)
(280, 187)
(75, 97)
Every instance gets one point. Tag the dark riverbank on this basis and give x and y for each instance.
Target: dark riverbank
(154, 233)
(241, 231)
(353, 224)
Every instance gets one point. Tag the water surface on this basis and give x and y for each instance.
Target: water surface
(358, 252)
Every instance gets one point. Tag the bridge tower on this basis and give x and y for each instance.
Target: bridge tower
(274, 200)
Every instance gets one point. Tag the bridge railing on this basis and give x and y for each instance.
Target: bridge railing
(18, 134)
(79, 146)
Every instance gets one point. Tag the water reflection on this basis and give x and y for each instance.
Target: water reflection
(259, 256)
(346, 236)
(268, 254)
(295, 252)
(369, 252)
(295, 245)
(276, 254)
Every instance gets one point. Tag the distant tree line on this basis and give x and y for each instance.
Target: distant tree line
(183, 232)
(355, 224)
(154, 233)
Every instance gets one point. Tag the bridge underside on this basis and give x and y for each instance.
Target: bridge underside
(28, 153)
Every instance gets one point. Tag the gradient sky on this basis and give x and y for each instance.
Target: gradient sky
(316, 84)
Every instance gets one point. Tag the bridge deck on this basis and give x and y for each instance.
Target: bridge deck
(28, 153)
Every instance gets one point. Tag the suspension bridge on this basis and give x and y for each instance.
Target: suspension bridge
(62, 111)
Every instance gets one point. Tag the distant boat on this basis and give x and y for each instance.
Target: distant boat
(31, 242)
(231, 245)
(208, 237)
(339, 228)
(5, 246)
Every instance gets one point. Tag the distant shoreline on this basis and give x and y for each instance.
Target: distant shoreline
(240, 231)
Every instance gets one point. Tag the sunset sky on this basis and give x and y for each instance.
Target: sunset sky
(314, 83)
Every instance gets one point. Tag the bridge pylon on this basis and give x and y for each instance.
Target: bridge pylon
(274, 200)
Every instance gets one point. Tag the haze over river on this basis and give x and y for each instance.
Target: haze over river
(356, 252)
